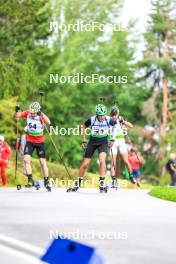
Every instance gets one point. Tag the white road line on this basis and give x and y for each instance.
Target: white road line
(21, 246)
(17, 255)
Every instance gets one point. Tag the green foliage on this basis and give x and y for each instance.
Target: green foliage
(166, 193)
(158, 63)
(7, 127)
(25, 56)
(30, 52)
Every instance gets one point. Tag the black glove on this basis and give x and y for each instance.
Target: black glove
(84, 144)
(121, 119)
(17, 108)
(125, 132)
(39, 113)
(110, 143)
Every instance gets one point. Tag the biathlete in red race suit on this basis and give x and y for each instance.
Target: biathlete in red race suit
(5, 156)
(35, 140)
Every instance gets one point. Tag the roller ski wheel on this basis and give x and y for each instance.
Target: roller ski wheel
(18, 187)
(74, 189)
(37, 186)
(48, 188)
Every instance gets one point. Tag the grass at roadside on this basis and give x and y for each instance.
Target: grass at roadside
(56, 171)
(166, 193)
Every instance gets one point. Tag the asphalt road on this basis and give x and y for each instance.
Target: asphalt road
(126, 226)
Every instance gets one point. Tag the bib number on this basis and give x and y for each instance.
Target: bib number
(32, 126)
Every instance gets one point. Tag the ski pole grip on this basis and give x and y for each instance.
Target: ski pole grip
(17, 108)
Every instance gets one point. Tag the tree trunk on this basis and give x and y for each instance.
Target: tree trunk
(165, 106)
(165, 110)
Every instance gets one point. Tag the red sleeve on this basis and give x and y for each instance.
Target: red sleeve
(8, 151)
(24, 114)
(42, 120)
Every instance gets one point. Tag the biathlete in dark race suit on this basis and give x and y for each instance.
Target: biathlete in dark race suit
(100, 140)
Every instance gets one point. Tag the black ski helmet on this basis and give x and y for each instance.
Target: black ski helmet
(114, 110)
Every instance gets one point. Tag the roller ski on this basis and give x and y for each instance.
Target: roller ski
(31, 184)
(77, 185)
(74, 189)
(36, 186)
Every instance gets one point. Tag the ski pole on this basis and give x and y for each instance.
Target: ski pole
(41, 97)
(17, 108)
(54, 144)
(57, 151)
(113, 160)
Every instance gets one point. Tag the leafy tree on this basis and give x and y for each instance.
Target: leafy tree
(159, 56)
(103, 53)
(24, 52)
(30, 52)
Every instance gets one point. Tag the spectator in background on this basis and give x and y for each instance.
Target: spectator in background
(5, 156)
(135, 160)
(171, 168)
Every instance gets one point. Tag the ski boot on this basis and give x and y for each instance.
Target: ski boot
(102, 187)
(47, 184)
(30, 182)
(114, 184)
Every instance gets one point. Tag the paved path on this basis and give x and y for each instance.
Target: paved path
(127, 226)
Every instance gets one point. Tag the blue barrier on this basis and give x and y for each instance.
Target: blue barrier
(65, 251)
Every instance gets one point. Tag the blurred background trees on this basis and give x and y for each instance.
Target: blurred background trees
(30, 51)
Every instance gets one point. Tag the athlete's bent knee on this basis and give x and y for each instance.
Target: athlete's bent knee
(27, 160)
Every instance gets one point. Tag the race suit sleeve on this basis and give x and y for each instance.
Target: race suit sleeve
(24, 114)
(87, 123)
(112, 123)
(121, 120)
(43, 120)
